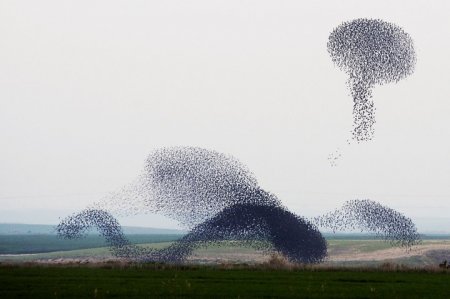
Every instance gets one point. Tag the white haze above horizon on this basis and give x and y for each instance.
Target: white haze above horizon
(89, 88)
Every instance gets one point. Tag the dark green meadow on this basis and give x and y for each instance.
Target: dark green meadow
(30, 243)
(83, 268)
(159, 281)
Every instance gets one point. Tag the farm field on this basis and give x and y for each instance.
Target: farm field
(341, 252)
(358, 267)
(41, 243)
(112, 280)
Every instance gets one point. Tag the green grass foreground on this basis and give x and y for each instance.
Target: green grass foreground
(160, 281)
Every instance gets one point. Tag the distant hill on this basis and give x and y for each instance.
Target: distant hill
(45, 229)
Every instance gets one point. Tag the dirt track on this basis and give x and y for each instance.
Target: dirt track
(391, 253)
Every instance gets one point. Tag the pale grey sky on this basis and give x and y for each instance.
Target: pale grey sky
(89, 88)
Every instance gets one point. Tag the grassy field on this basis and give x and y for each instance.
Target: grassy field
(349, 253)
(153, 281)
(40, 243)
(359, 268)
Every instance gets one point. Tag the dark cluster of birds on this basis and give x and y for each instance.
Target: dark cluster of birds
(219, 199)
(215, 196)
(370, 216)
(192, 184)
(77, 225)
(372, 52)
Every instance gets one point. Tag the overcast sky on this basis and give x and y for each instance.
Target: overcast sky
(89, 88)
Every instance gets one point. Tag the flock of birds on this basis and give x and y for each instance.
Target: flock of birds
(370, 216)
(213, 195)
(218, 199)
(372, 52)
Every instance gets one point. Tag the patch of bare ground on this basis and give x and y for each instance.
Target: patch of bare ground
(426, 249)
(229, 257)
(81, 261)
(423, 256)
